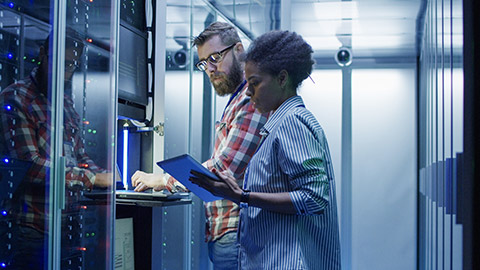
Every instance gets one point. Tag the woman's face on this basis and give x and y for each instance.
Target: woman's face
(264, 89)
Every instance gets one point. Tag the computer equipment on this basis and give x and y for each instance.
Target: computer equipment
(180, 167)
(152, 195)
(149, 194)
(12, 172)
(133, 68)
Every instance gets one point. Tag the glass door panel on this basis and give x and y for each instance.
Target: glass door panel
(57, 102)
(25, 135)
(88, 135)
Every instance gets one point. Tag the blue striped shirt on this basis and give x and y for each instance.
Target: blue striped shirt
(293, 157)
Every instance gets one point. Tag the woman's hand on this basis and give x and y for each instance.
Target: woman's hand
(226, 187)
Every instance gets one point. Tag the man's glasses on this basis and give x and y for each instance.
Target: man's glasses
(213, 58)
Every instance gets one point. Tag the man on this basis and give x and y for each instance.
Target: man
(236, 137)
(25, 135)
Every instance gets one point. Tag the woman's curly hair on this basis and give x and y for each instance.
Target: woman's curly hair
(282, 50)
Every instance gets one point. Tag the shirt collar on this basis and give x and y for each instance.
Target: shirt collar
(234, 95)
(280, 112)
(239, 88)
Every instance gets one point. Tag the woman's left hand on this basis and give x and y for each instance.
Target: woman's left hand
(226, 187)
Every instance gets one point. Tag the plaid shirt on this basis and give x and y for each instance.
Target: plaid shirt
(236, 139)
(25, 134)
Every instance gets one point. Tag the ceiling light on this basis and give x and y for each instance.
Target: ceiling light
(336, 10)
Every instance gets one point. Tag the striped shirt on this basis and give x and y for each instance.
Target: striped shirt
(294, 157)
(237, 136)
(25, 134)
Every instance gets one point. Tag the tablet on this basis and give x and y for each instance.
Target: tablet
(180, 167)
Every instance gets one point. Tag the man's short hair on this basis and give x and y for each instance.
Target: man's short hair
(227, 33)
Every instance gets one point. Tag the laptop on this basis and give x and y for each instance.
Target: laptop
(149, 194)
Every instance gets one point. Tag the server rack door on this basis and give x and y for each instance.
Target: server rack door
(57, 121)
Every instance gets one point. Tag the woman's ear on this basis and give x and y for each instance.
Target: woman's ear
(282, 78)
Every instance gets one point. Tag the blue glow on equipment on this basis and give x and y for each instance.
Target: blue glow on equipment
(125, 157)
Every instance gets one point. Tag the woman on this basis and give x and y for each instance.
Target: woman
(289, 217)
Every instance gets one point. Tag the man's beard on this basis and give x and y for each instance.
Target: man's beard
(229, 82)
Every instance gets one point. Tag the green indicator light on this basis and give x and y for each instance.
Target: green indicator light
(33, 60)
(94, 131)
(165, 213)
(89, 130)
(93, 234)
(164, 244)
(88, 235)
(25, 58)
(192, 242)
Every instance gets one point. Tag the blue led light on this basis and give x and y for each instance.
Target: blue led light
(8, 107)
(125, 158)
(4, 213)
(11, 5)
(3, 265)
(6, 160)
(10, 55)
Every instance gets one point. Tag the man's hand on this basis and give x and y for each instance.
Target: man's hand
(142, 181)
(103, 180)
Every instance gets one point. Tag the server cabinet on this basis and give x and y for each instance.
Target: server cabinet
(57, 126)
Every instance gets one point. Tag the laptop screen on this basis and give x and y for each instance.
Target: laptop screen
(119, 179)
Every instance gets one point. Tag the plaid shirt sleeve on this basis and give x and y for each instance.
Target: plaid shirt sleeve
(83, 173)
(237, 137)
(23, 131)
(26, 128)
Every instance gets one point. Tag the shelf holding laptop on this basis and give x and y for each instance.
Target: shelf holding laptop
(150, 194)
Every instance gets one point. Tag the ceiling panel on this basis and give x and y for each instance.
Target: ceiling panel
(372, 28)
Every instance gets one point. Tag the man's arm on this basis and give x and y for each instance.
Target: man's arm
(19, 131)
